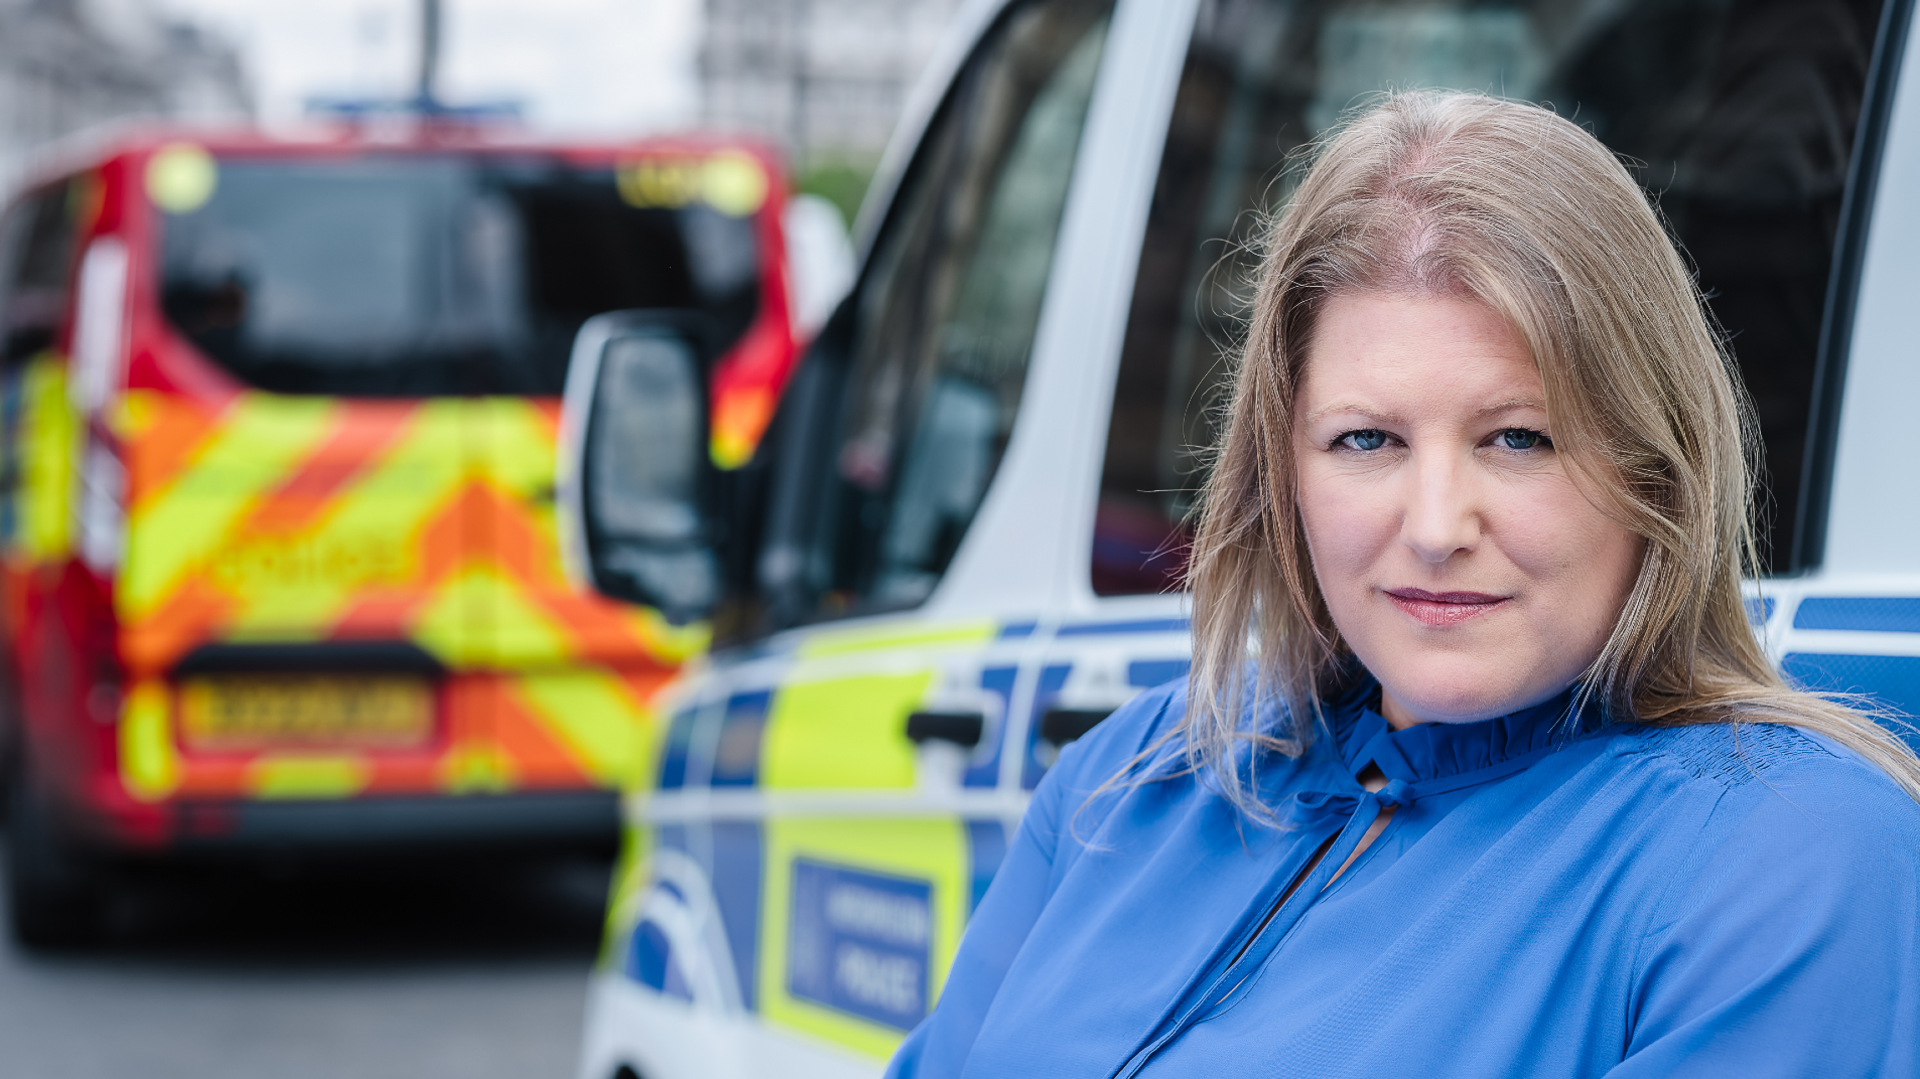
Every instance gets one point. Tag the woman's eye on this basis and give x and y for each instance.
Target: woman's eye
(1369, 439)
(1520, 438)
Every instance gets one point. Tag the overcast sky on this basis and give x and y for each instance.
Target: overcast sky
(575, 65)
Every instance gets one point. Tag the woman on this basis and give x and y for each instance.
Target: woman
(1510, 788)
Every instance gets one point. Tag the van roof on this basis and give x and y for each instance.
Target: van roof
(97, 146)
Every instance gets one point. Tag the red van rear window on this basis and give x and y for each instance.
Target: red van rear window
(406, 275)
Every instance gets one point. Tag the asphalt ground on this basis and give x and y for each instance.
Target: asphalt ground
(407, 971)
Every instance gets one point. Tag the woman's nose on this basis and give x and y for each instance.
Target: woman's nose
(1442, 515)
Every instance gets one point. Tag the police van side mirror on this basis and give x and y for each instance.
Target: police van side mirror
(636, 481)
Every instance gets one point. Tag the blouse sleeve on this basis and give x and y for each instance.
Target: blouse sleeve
(1793, 947)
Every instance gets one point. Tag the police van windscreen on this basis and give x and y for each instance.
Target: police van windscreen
(1738, 117)
(409, 275)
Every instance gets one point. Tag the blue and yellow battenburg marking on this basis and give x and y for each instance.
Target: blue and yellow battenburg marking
(839, 924)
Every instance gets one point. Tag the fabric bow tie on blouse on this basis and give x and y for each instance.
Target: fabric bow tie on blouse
(1427, 759)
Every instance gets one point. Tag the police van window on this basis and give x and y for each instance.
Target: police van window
(1739, 113)
(36, 265)
(412, 276)
(936, 354)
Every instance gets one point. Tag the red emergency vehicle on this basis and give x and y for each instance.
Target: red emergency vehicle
(280, 566)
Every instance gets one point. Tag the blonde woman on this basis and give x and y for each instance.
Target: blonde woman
(1508, 787)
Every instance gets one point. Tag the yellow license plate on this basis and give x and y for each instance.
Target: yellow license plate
(272, 711)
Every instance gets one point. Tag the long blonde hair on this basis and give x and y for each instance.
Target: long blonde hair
(1515, 207)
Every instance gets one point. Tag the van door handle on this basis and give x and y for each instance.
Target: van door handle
(960, 728)
(1063, 725)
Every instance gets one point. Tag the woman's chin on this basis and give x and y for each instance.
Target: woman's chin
(1463, 701)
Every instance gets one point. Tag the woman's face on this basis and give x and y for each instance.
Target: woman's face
(1458, 556)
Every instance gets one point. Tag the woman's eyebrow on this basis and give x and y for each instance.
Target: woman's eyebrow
(1353, 406)
(1511, 406)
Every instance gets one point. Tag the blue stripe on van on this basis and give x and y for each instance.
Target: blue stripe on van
(1147, 673)
(730, 852)
(996, 680)
(1894, 614)
(1760, 609)
(1142, 625)
(1053, 678)
(736, 759)
(1014, 631)
(673, 759)
(1892, 681)
(651, 962)
(737, 851)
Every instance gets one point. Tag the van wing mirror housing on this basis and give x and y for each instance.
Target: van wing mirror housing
(636, 482)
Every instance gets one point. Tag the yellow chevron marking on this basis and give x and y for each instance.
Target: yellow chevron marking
(523, 634)
(305, 775)
(479, 618)
(300, 585)
(368, 537)
(591, 715)
(131, 414)
(477, 768)
(512, 445)
(662, 639)
(173, 532)
(149, 768)
(49, 436)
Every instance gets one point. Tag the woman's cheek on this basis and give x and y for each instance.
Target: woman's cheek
(1579, 564)
(1346, 529)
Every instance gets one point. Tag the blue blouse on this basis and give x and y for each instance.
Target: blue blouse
(1701, 901)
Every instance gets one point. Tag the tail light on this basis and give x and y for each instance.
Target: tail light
(103, 517)
(99, 362)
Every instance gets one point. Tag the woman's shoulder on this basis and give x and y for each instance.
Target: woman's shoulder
(1794, 784)
(1731, 755)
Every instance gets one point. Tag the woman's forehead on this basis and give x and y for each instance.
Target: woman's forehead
(1389, 354)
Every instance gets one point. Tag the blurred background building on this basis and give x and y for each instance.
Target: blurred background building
(68, 65)
(825, 78)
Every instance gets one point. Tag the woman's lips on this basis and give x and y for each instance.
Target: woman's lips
(1443, 608)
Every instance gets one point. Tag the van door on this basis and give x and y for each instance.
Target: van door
(314, 522)
(38, 248)
(1853, 625)
(871, 851)
(400, 323)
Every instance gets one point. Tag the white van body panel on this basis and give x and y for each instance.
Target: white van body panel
(1875, 515)
(659, 1037)
(1853, 625)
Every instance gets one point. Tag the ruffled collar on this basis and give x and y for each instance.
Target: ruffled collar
(1432, 752)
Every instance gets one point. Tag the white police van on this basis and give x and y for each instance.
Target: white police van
(960, 545)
